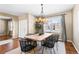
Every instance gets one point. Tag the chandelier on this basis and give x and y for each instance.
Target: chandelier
(41, 19)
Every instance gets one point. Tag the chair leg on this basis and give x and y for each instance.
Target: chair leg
(57, 46)
(50, 50)
(54, 50)
(34, 50)
(42, 50)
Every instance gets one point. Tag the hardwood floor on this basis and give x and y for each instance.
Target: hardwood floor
(70, 48)
(4, 37)
(9, 46)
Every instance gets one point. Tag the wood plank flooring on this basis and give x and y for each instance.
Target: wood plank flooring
(4, 37)
(9, 46)
(70, 48)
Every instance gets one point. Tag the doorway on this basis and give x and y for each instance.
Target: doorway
(6, 28)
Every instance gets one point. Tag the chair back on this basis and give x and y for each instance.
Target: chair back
(27, 44)
(23, 44)
(49, 42)
(56, 37)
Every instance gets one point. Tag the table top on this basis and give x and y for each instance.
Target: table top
(37, 37)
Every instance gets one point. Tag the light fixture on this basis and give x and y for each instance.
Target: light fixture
(41, 19)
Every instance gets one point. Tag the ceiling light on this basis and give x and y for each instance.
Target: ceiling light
(41, 19)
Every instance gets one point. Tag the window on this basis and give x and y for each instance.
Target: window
(53, 24)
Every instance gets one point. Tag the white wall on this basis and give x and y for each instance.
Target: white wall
(31, 25)
(15, 25)
(75, 26)
(69, 25)
(22, 25)
(26, 25)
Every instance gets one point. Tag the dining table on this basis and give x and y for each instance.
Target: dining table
(37, 37)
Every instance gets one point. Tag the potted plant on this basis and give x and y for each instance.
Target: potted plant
(39, 28)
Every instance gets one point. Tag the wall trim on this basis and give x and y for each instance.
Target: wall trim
(75, 47)
(69, 41)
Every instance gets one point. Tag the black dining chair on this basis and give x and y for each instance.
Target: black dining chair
(55, 38)
(27, 45)
(48, 43)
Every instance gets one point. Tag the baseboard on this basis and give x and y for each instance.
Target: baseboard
(69, 41)
(75, 47)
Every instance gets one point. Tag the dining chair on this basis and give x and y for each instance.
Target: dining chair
(48, 43)
(27, 45)
(55, 38)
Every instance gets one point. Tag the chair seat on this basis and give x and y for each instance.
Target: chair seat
(49, 44)
(28, 48)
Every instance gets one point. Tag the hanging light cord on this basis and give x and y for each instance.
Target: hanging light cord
(42, 9)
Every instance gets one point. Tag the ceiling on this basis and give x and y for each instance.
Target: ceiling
(35, 9)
